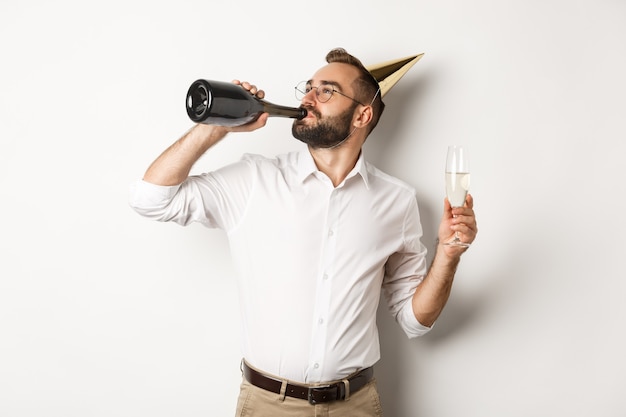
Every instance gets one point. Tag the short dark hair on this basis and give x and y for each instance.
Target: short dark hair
(365, 86)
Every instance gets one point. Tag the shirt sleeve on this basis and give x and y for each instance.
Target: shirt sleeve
(216, 199)
(404, 271)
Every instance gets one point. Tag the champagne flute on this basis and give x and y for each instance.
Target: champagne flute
(457, 183)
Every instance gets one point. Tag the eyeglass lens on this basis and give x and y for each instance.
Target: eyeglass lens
(323, 92)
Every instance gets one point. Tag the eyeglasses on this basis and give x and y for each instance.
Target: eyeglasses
(323, 92)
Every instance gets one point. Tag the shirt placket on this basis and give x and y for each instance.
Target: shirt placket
(323, 292)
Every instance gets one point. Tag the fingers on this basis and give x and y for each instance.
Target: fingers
(469, 204)
(249, 127)
(461, 219)
(466, 225)
(463, 223)
(463, 215)
(469, 201)
(251, 88)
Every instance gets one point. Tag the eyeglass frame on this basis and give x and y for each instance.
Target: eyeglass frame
(332, 91)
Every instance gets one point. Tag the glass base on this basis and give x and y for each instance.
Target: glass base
(457, 242)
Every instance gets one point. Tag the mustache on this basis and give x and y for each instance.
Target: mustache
(310, 109)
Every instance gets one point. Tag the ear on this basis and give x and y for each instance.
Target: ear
(363, 117)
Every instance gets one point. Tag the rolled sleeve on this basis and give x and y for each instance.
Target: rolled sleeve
(151, 200)
(216, 199)
(180, 204)
(409, 323)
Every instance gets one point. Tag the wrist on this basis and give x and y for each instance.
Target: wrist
(446, 256)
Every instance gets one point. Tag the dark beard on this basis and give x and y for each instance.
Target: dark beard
(328, 133)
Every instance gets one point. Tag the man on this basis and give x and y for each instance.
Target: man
(315, 236)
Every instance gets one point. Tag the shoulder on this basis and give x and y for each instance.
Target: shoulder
(282, 162)
(382, 180)
(278, 160)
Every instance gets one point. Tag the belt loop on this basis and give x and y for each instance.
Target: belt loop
(283, 391)
(346, 386)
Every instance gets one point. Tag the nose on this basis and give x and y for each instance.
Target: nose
(310, 97)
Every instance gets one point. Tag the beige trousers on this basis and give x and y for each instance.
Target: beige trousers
(257, 402)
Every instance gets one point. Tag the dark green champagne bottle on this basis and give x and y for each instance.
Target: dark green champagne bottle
(227, 104)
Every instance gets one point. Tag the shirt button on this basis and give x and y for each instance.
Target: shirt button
(321, 321)
(325, 277)
(316, 365)
(330, 232)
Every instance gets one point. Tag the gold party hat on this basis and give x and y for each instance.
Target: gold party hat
(389, 73)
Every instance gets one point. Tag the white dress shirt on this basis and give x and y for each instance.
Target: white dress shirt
(311, 258)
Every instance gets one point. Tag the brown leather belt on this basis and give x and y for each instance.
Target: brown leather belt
(314, 394)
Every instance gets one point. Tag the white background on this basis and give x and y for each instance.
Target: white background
(104, 313)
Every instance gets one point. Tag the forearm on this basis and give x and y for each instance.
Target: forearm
(432, 294)
(175, 163)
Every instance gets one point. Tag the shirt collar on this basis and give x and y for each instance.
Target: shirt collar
(306, 167)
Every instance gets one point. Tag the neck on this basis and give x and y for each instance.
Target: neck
(337, 162)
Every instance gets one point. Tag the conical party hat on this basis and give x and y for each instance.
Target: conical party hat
(389, 73)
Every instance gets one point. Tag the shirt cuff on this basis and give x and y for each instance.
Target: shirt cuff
(409, 323)
(144, 194)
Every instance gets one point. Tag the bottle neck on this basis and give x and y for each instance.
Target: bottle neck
(277, 110)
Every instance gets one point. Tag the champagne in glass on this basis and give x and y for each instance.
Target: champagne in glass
(457, 182)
